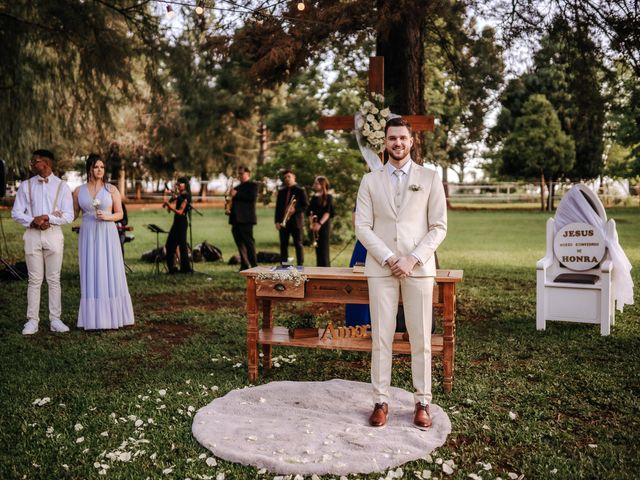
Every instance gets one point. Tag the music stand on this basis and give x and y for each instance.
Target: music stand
(10, 268)
(3, 190)
(157, 230)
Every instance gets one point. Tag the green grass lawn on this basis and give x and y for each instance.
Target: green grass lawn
(559, 404)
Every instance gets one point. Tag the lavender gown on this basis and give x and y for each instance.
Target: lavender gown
(104, 301)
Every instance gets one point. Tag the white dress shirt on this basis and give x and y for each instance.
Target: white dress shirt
(397, 182)
(25, 209)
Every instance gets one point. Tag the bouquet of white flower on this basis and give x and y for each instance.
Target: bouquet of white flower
(371, 121)
(96, 204)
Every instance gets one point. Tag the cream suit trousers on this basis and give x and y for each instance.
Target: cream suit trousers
(43, 253)
(417, 297)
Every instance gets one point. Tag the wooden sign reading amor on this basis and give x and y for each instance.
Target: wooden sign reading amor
(333, 333)
(579, 246)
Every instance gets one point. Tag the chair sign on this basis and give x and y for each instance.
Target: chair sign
(573, 280)
(579, 246)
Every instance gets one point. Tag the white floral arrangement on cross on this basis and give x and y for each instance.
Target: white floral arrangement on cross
(371, 120)
(291, 274)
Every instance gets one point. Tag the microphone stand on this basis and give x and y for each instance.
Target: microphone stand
(191, 262)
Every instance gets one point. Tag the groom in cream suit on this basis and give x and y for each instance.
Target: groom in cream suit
(401, 218)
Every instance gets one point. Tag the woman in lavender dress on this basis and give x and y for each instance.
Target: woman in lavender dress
(104, 301)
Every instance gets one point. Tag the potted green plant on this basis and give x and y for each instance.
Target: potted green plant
(301, 325)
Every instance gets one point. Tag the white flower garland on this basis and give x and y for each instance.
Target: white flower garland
(372, 120)
(289, 275)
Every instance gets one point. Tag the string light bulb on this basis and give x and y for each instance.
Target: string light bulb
(200, 8)
(170, 12)
(300, 6)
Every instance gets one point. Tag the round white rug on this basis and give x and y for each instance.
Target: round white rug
(315, 427)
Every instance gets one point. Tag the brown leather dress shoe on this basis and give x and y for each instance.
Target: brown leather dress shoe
(421, 417)
(379, 416)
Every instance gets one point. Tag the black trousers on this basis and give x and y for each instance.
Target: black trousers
(178, 238)
(322, 252)
(295, 232)
(243, 236)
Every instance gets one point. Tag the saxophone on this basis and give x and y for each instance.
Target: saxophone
(313, 220)
(288, 213)
(227, 198)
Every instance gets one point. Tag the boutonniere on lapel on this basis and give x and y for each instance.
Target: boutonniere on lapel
(415, 188)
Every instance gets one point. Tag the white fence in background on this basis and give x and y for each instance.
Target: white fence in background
(611, 192)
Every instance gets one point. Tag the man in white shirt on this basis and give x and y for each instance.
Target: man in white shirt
(401, 219)
(43, 203)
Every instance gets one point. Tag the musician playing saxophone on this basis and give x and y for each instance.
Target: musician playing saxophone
(321, 207)
(291, 223)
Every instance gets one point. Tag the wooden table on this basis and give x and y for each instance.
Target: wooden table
(340, 285)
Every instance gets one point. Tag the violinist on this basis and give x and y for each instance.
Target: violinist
(291, 205)
(242, 217)
(178, 234)
(320, 212)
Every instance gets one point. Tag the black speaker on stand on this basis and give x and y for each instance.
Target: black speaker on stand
(3, 191)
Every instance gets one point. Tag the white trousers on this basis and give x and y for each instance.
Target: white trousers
(417, 297)
(43, 254)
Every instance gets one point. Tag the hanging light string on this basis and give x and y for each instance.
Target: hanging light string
(238, 8)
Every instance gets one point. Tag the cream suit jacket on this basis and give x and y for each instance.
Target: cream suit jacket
(417, 227)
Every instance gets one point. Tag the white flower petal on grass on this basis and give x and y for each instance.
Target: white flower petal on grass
(167, 471)
(153, 456)
(512, 416)
(77, 427)
(40, 402)
(593, 445)
(446, 468)
(65, 466)
(211, 462)
(262, 471)
(426, 474)
(276, 364)
(124, 456)
(96, 465)
(214, 388)
(554, 471)
(162, 392)
(473, 476)
(102, 472)
(439, 461)
(220, 476)
(139, 423)
(104, 434)
(79, 439)
(486, 427)
(512, 476)
(202, 456)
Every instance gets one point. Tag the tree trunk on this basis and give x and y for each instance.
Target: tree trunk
(401, 42)
(122, 180)
(263, 145)
(542, 185)
(445, 184)
(550, 198)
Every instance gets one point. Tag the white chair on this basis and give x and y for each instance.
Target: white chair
(565, 292)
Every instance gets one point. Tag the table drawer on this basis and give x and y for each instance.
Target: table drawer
(339, 292)
(279, 288)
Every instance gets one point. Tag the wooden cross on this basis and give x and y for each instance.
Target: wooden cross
(419, 123)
